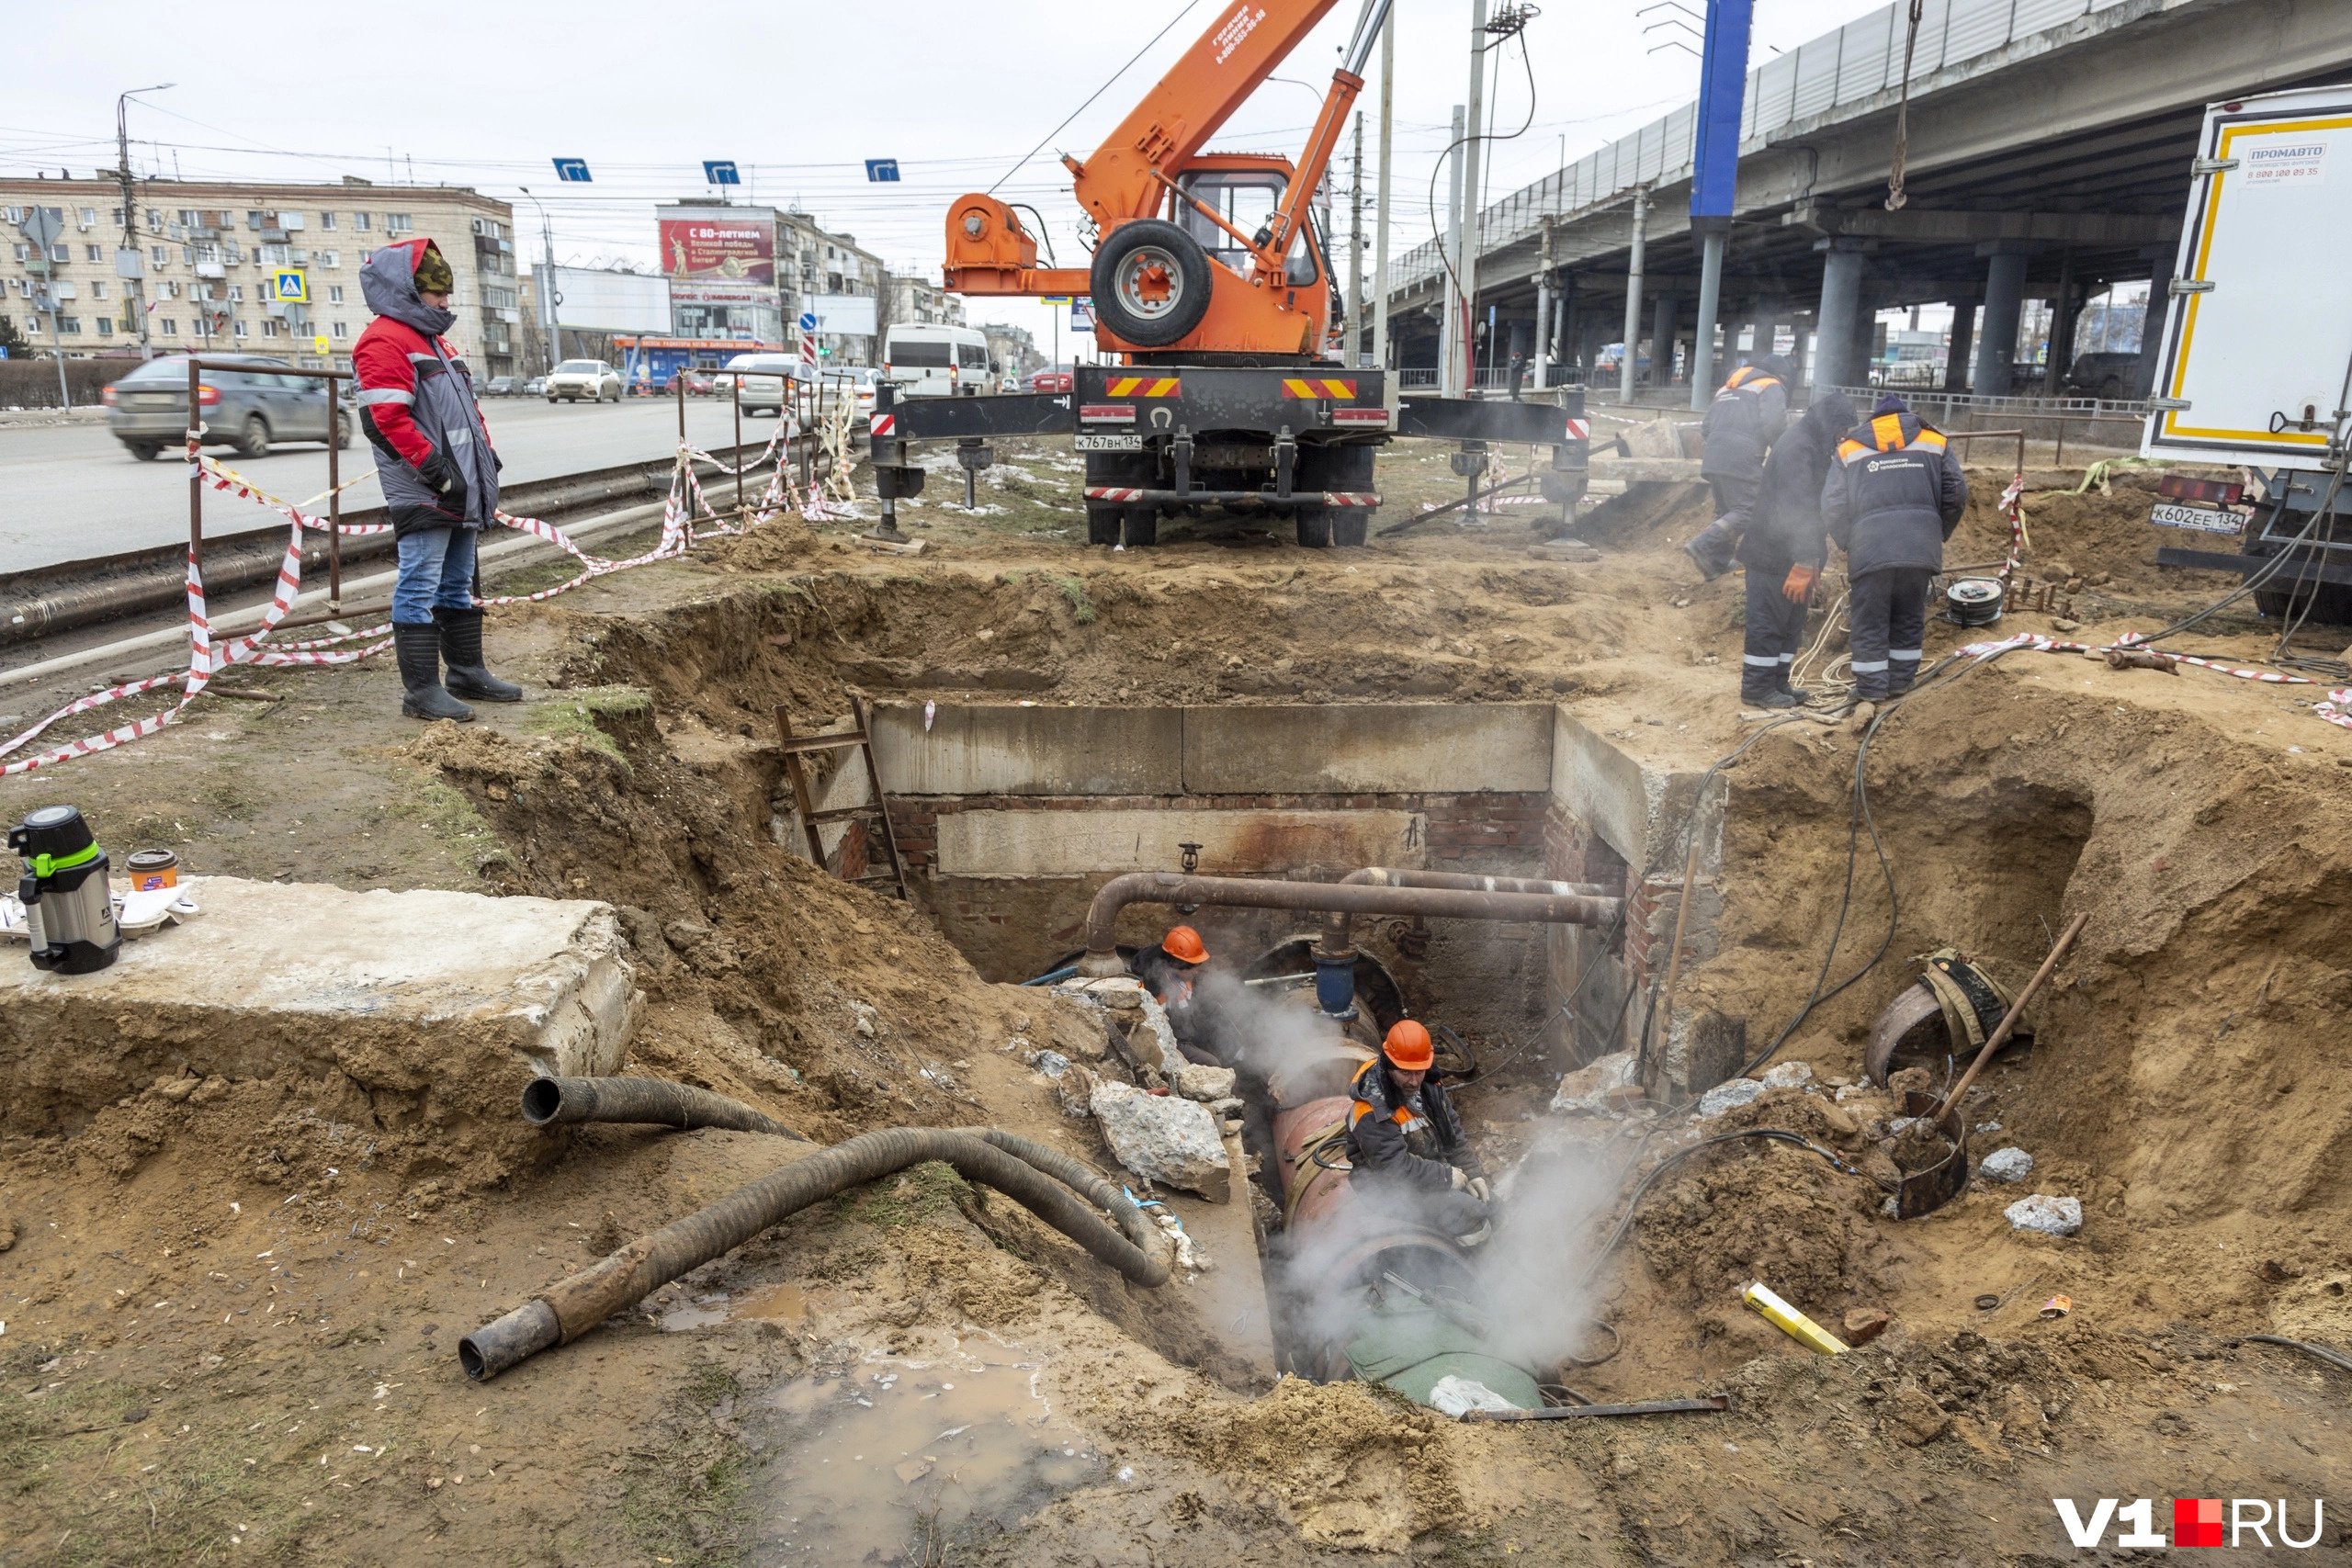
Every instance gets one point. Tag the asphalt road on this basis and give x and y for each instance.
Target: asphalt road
(72, 492)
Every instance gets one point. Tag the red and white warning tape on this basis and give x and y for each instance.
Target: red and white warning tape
(685, 505)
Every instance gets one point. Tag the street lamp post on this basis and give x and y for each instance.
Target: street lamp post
(546, 290)
(132, 280)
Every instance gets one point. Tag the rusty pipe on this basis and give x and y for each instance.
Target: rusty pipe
(1338, 939)
(1355, 899)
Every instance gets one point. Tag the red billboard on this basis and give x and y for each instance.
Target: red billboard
(718, 248)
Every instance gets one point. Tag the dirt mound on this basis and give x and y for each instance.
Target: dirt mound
(1764, 1211)
(2101, 536)
(778, 544)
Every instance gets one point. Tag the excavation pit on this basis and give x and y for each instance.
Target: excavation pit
(2178, 1084)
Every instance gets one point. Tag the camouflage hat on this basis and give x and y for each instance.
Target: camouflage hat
(432, 275)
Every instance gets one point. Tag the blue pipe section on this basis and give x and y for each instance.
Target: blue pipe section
(1064, 973)
(1335, 985)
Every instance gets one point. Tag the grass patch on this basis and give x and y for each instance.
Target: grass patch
(690, 1506)
(562, 567)
(575, 713)
(1081, 608)
(920, 1193)
(451, 818)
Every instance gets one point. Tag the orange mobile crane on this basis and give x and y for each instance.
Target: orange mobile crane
(1212, 280)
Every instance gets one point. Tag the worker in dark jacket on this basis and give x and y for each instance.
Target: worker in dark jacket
(1748, 415)
(1405, 1143)
(1784, 547)
(1171, 971)
(438, 474)
(1893, 496)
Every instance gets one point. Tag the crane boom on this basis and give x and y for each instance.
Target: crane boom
(1190, 104)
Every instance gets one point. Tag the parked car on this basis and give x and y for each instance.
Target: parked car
(1053, 378)
(246, 408)
(577, 379)
(502, 387)
(699, 383)
(534, 385)
(1008, 383)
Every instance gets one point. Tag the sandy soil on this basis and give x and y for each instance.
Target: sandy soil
(230, 1333)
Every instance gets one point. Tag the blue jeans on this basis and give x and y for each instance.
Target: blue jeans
(436, 574)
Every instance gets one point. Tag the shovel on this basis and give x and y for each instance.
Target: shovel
(1925, 1191)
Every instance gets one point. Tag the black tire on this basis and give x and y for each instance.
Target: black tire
(1142, 527)
(1152, 283)
(1315, 527)
(146, 451)
(1349, 525)
(343, 432)
(253, 439)
(1103, 523)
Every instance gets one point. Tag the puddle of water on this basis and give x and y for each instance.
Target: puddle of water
(780, 1304)
(901, 1460)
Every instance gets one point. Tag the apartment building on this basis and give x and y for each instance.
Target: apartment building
(200, 263)
(920, 300)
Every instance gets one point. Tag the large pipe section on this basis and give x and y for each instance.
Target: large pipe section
(558, 1102)
(570, 1307)
(1335, 956)
(1348, 897)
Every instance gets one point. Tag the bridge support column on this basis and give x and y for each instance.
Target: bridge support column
(1996, 344)
(1964, 341)
(2151, 325)
(1836, 362)
(1704, 372)
(1662, 330)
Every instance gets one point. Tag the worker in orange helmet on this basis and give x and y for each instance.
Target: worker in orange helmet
(1171, 971)
(1405, 1143)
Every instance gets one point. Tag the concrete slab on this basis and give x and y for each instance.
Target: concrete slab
(1634, 806)
(447, 1001)
(1369, 748)
(1238, 844)
(1029, 751)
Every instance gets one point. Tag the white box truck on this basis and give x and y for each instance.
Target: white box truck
(2254, 369)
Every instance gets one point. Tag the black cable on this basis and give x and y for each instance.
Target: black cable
(1042, 234)
(1472, 134)
(1096, 94)
(2336, 1359)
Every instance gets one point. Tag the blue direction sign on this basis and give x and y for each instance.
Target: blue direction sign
(882, 170)
(721, 172)
(573, 169)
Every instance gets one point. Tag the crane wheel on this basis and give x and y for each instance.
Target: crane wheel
(1151, 282)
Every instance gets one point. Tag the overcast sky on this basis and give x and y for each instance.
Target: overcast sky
(798, 95)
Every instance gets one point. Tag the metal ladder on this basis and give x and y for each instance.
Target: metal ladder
(861, 737)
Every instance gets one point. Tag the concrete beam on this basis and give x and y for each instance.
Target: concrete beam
(1039, 751)
(1369, 748)
(1236, 843)
(1979, 228)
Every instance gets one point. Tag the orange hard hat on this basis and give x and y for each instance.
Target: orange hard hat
(1407, 1047)
(1183, 943)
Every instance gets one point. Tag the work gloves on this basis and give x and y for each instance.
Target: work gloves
(436, 471)
(1478, 1189)
(1460, 1178)
(1798, 587)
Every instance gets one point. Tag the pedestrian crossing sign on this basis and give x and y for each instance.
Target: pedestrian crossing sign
(293, 286)
(319, 345)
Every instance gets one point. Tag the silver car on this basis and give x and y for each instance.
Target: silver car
(248, 406)
(577, 379)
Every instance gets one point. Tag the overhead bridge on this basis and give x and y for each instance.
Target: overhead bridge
(2049, 150)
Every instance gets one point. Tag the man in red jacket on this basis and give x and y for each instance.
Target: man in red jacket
(438, 474)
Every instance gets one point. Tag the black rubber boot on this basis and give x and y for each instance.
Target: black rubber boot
(1711, 549)
(1764, 692)
(461, 650)
(419, 651)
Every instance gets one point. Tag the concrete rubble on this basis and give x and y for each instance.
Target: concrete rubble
(1196, 1080)
(1588, 1088)
(2011, 1164)
(2049, 1215)
(1163, 1138)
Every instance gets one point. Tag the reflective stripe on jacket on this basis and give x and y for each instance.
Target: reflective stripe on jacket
(1747, 416)
(1414, 1138)
(1893, 496)
(416, 399)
